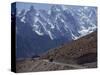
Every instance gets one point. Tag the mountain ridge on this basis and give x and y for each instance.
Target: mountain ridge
(61, 20)
(39, 30)
(85, 46)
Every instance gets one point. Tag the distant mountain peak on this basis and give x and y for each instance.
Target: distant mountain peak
(60, 20)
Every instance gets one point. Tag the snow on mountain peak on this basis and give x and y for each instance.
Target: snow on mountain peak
(77, 21)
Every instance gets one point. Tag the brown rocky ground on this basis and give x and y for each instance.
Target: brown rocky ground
(81, 51)
(40, 65)
(78, 54)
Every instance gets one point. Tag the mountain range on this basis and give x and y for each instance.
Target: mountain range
(40, 30)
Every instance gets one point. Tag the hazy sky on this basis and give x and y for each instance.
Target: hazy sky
(26, 5)
(22, 5)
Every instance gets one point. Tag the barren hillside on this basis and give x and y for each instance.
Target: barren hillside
(80, 51)
(78, 54)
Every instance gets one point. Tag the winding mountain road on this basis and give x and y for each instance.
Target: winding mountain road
(65, 64)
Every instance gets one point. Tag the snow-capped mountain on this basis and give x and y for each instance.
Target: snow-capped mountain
(61, 21)
(38, 30)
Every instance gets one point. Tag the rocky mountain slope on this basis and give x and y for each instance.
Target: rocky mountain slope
(79, 51)
(78, 54)
(53, 27)
(60, 20)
